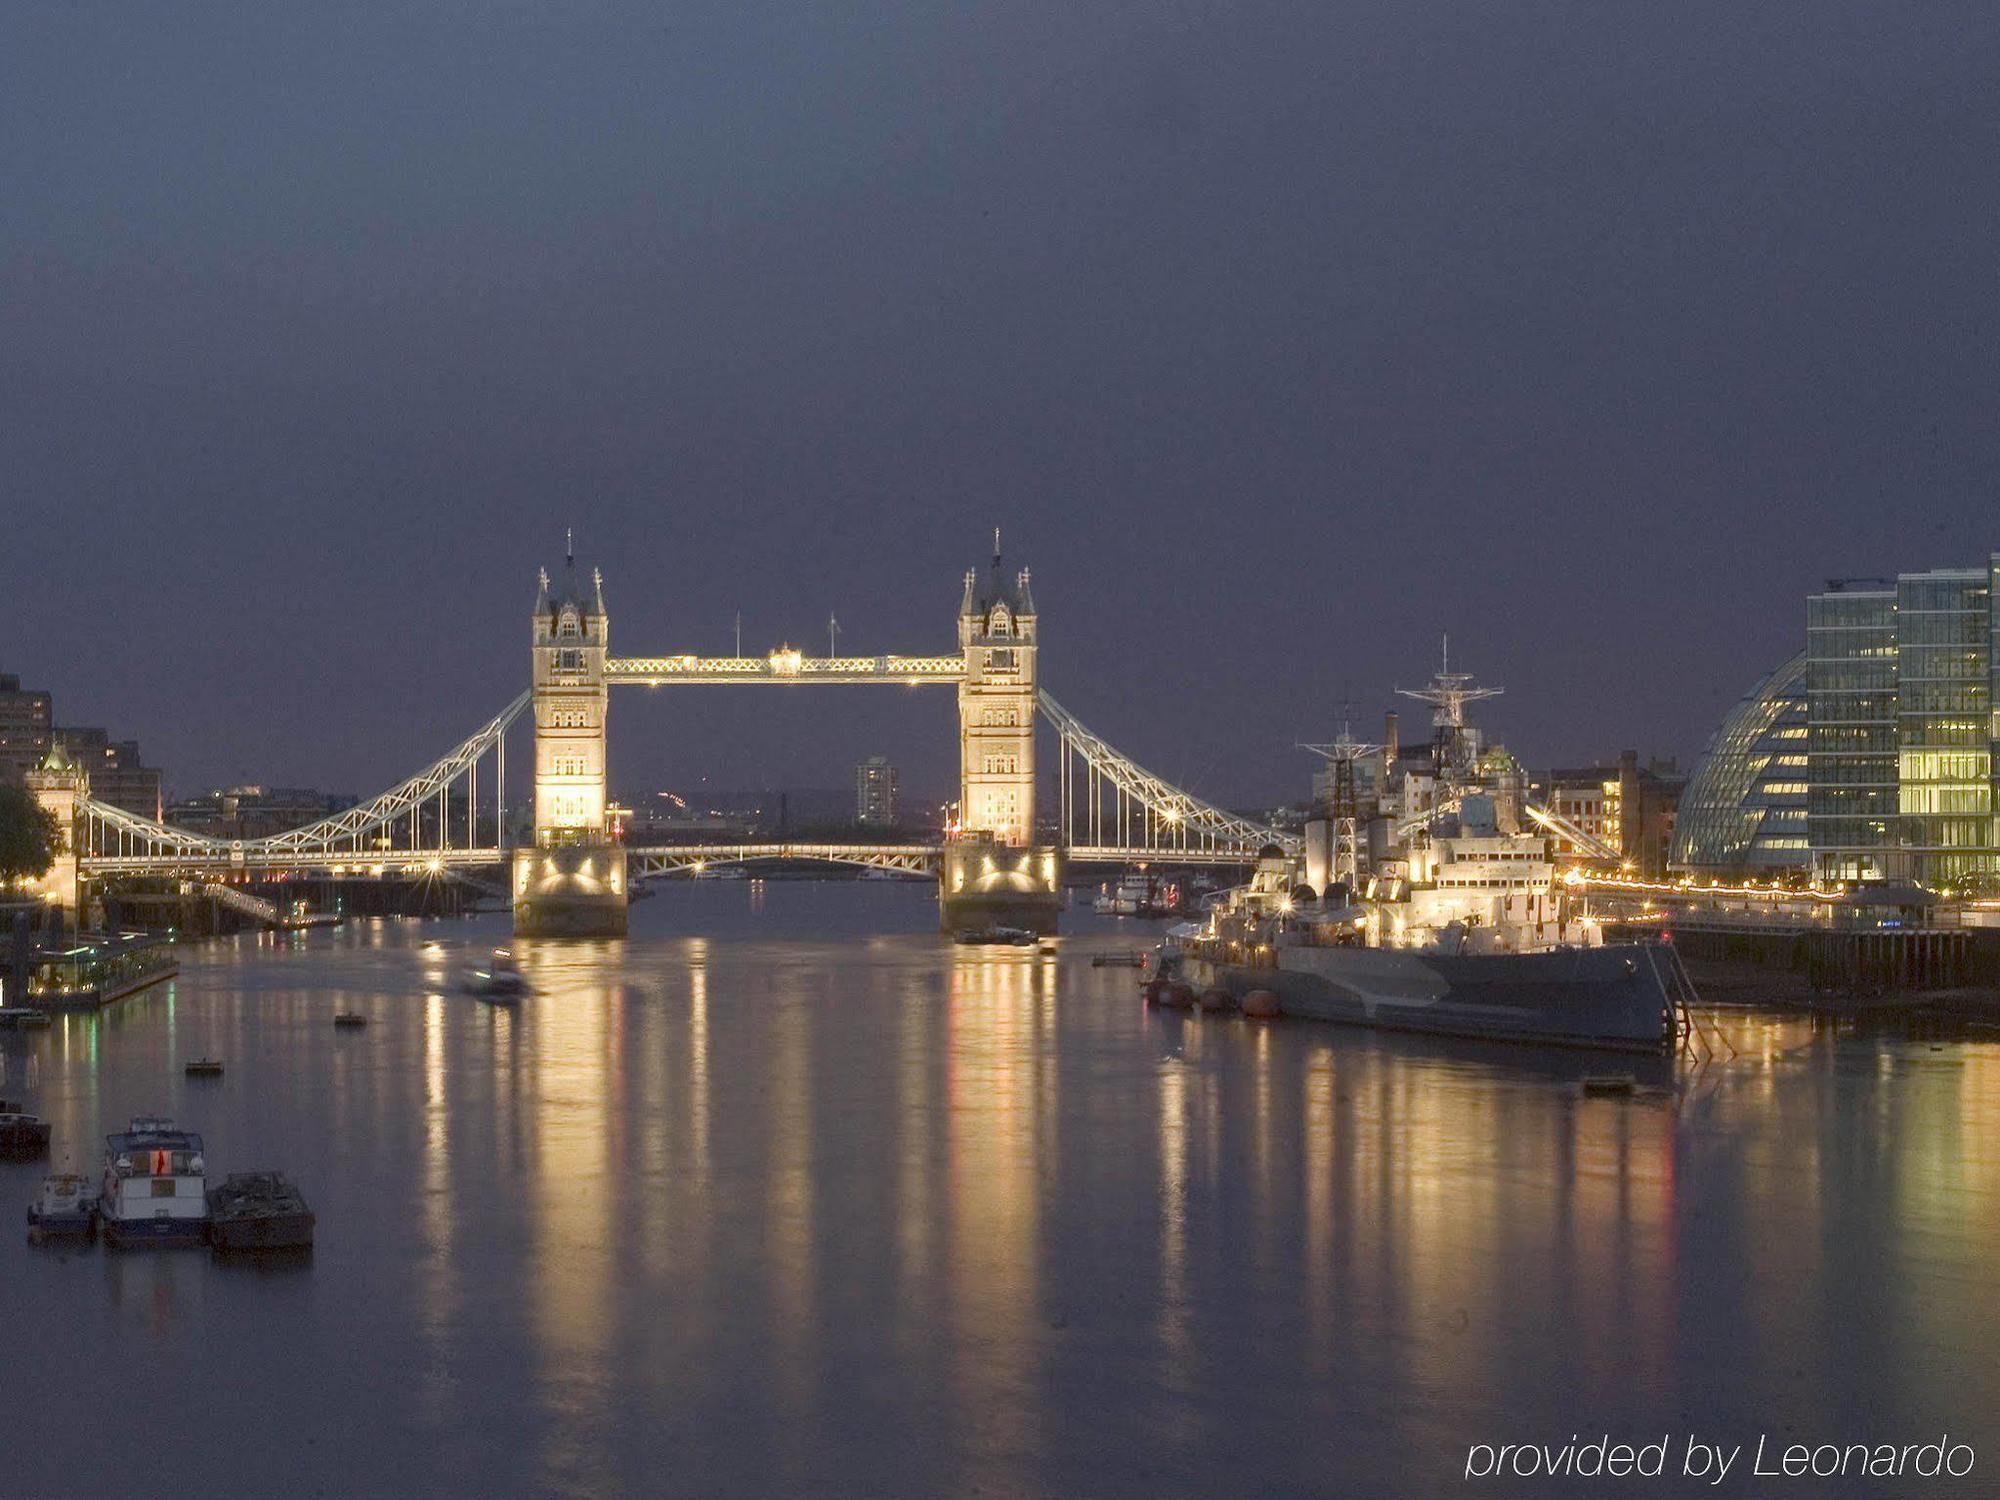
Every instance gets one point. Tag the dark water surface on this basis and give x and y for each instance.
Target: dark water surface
(815, 1203)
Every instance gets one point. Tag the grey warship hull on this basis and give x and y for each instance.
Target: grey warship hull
(1619, 997)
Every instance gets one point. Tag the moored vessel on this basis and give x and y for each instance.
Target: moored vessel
(65, 1208)
(1427, 898)
(22, 1136)
(155, 1186)
(259, 1211)
(1138, 894)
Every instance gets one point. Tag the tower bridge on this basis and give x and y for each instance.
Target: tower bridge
(571, 875)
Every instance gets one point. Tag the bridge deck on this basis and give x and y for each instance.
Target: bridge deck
(398, 862)
(668, 859)
(656, 859)
(784, 667)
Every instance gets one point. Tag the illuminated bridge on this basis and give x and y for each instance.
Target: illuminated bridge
(451, 817)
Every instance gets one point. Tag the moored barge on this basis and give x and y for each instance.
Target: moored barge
(22, 1136)
(259, 1211)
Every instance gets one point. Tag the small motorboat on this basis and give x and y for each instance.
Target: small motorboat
(23, 1018)
(22, 1136)
(259, 1211)
(1607, 1085)
(1008, 937)
(66, 1208)
(205, 1067)
(501, 981)
(348, 1019)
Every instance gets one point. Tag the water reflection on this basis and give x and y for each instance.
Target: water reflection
(998, 1136)
(573, 1149)
(841, 1206)
(438, 1304)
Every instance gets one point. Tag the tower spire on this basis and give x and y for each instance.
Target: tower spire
(569, 546)
(996, 546)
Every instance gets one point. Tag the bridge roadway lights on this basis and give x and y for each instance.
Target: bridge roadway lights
(570, 890)
(982, 884)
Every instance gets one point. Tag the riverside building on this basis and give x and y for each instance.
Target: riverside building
(118, 775)
(1870, 754)
(28, 731)
(26, 717)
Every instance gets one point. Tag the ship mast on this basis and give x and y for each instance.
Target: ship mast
(1448, 694)
(1344, 805)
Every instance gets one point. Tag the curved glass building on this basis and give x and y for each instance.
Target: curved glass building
(1744, 808)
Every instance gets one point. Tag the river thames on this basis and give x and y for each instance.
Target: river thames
(786, 1195)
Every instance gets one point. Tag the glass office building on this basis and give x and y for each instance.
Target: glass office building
(1944, 727)
(1744, 808)
(1851, 712)
(1892, 706)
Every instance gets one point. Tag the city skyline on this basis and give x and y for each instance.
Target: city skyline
(720, 740)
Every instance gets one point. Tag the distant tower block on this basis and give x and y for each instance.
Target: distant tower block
(992, 873)
(572, 883)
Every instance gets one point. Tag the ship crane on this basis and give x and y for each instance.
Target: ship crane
(1562, 828)
(1553, 823)
(1345, 804)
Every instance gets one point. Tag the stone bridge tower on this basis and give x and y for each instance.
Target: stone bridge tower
(996, 708)
(59, 785)
(570, 631)
(992, 873)
(572, 882)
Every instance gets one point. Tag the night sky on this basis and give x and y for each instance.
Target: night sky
(1277, 337)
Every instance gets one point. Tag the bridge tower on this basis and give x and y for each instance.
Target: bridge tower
(993, 872)
(572, 881)
(59, 785)
(996, 708)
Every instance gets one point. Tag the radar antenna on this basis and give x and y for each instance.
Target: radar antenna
(1448, 694)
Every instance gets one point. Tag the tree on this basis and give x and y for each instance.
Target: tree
(28, 835)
